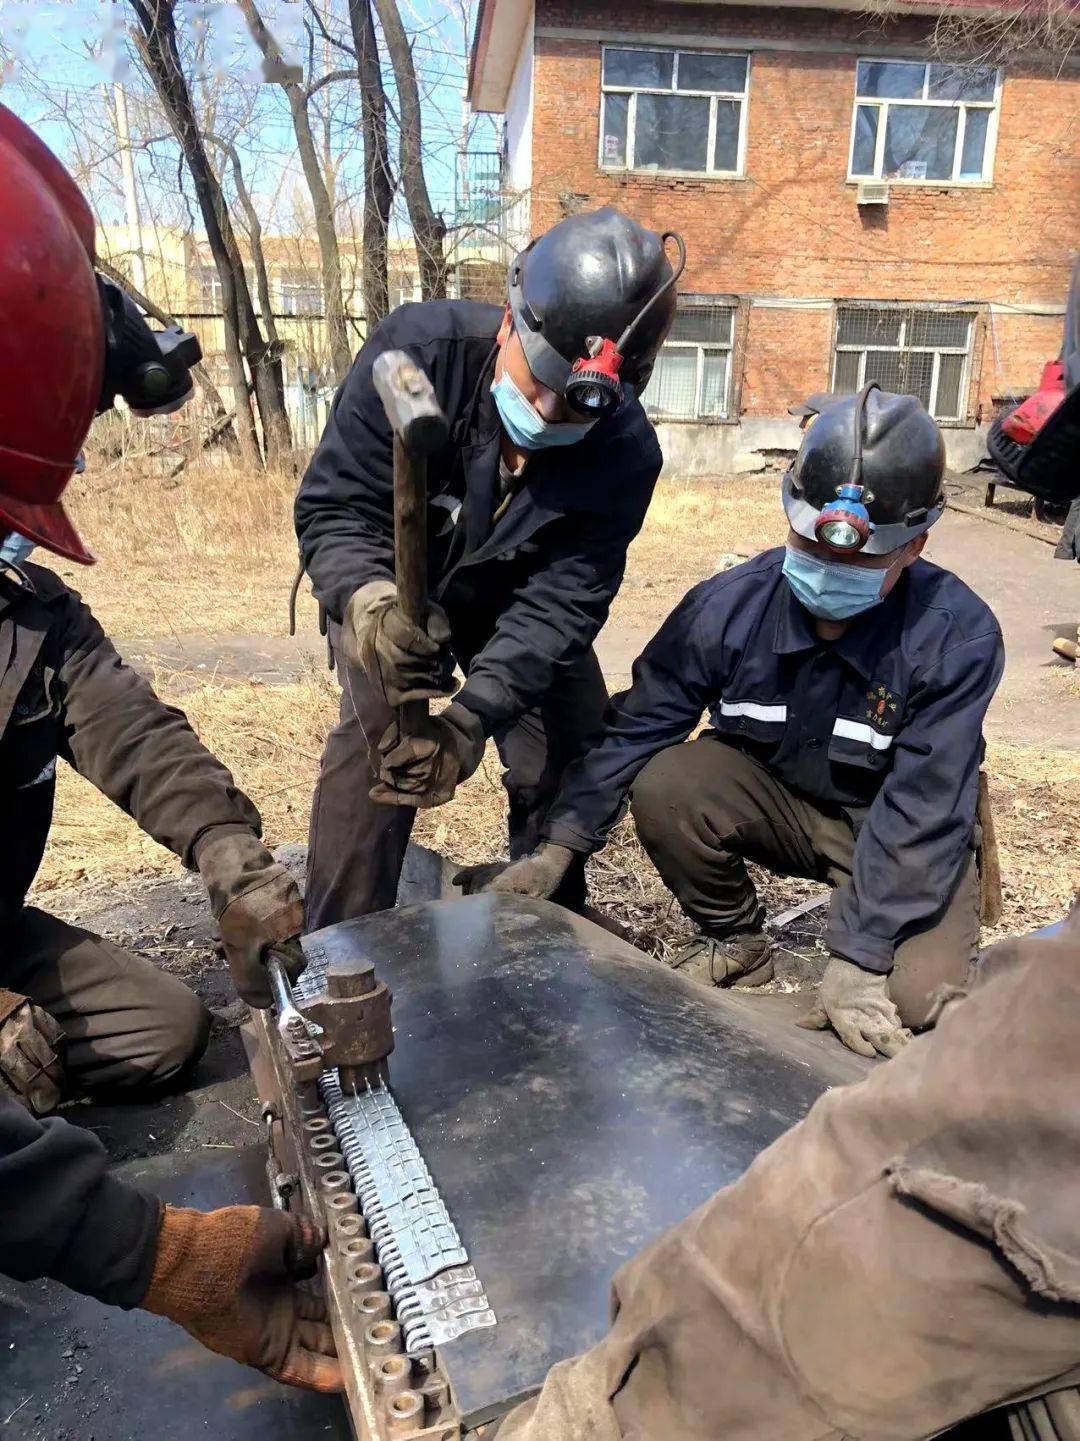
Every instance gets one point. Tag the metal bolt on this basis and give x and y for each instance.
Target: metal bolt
(346, 1227)
(328, 1161)
(331, 1182)
(382, 1338)
(364, 1278)
(358, 1250)
(374, 1307)
(392, 1375)
(436, 1393)
(404, 1412)
(341, 1204)
(357, 980)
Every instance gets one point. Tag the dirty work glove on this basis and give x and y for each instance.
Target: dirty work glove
(229, 1278)
(401, 661)
(538, 875)
(856, 1004)
(29, 1066)
(424, 770)
(256, 905)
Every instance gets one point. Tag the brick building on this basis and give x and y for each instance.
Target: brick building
(854, 206)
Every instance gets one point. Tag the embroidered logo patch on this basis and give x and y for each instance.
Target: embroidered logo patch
(882, 706)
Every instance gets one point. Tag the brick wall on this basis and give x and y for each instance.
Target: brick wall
(791, 227)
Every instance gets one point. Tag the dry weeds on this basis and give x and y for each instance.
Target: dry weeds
(216, 552)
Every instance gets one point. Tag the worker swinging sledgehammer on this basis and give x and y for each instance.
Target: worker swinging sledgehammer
(532, 501)
(846, 680)
(78, 1014)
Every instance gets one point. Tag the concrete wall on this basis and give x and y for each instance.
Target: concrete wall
(753, 443)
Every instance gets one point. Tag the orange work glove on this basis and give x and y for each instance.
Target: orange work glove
(229, 1278)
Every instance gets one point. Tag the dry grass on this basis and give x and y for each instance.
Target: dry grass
(216, 551)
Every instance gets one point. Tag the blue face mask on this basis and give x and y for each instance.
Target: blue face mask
(526, 428)
(15, 548)
(830, 589)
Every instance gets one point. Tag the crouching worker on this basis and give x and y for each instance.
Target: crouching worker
(75, 1011)
(846, 680)
(65, 693)
(543, 484)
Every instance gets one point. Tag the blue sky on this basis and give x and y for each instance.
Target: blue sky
(60, 56)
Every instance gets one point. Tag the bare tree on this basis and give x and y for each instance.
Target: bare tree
(378, 181)
(253, 229)
(159, 51)
(429, 229)
(277, 70)
(1036, 31)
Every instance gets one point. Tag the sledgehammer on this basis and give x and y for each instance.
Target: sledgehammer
(420, 429)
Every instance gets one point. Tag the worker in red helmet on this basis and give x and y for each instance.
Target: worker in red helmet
(78, 1015)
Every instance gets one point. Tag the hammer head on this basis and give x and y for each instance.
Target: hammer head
(409, 401)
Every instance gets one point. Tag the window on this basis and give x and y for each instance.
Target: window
(301, 293)
(916, 120)
(673, 110)
(906, 350)
(403, 288)
(692, 376)
(210, 292)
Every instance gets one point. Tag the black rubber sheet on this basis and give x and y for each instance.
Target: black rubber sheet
(572, 1099)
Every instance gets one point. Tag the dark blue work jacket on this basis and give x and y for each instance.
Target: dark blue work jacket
(527, 584)
(885, 722)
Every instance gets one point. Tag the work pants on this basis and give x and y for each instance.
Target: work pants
(904, 1258)
(704, 809)
(356, 847)
(128, 1027)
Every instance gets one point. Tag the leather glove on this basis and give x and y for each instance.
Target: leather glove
(401, 661)
(256, 905)
(856, 1004)
(424, 770)
(229, 1278)
(538, 875)
(29, 1066)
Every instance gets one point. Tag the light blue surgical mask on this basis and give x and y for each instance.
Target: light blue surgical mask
(15, 548)
(830, 589)
(528, 429)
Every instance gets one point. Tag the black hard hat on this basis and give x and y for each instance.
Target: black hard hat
(889, 445)
(587, 279)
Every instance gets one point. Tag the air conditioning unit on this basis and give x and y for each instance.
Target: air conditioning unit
(873, 192)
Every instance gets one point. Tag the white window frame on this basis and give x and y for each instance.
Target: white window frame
(962, 106)
(633, 91)
(701, 346)
(289, 290)
(937, 351)
(211, 292)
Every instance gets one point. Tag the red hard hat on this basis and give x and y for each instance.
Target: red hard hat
(52, 338)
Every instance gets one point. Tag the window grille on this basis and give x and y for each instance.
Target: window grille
(691, 379)
(906, 349)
